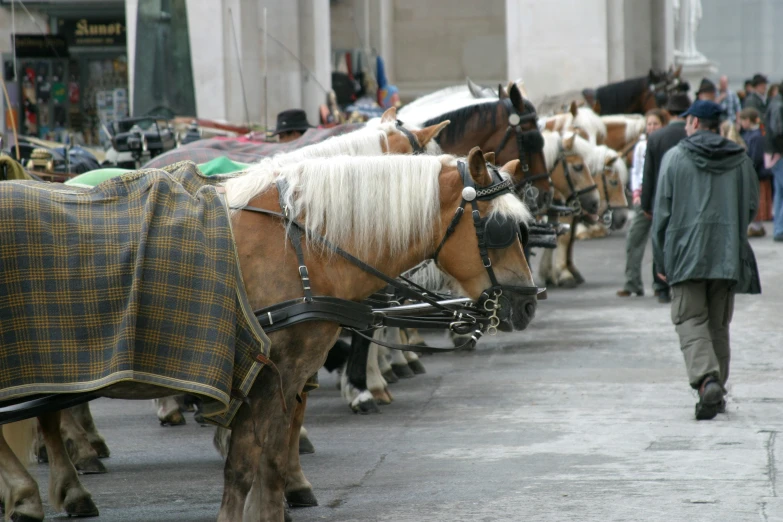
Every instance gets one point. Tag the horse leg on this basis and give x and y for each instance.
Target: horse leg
(19, 494)
(354, 378)
(414, 337)
(65, 490)
(375, 382)
(168, 412)
(243, 446)
(83, 416)
(386, 370)
(414, 363)
(80, 451)
(563, 277)
(570, 263)
(545, 272)
(398, 362)
(298, 490)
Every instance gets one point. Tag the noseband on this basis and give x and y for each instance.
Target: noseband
(524, 188)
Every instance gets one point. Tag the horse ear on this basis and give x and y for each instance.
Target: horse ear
(428, 134)
(516, 97)
(597, 107)
(475, 90)
(511, 167)
(609, 159)
(502, 92)
(573, 109)
(478, 168)
(390, 115)
(489, 157)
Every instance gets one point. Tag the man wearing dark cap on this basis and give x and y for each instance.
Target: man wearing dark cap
(291, 124)
(658, 144)
(757, 97)
(707, 195)
(707, 90)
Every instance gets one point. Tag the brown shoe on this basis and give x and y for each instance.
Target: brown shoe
(626, 293)
(757, 232)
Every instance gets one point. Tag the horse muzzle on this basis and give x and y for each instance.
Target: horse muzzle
(516, 307)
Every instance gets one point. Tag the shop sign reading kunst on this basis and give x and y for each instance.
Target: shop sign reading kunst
(92, 33)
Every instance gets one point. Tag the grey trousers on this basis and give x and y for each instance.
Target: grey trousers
(701, 313)
(635, 243)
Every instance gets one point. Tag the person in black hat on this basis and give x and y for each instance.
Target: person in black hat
(658, 144)
(757, 97)
(707, 90)
(707, 195)
(291, 124)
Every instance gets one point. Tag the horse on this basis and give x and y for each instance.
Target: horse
(611, 176)
(637, 95)
(505, 125)
(623, 132)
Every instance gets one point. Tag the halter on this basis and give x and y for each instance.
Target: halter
(524, 188)
(572, 201)
(456, 314)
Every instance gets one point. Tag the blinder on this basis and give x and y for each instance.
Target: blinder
(500, 231)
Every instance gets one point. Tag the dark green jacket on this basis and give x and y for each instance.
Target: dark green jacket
(707, 195)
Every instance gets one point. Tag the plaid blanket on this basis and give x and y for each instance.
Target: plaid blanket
(245, 151)
(134, 280)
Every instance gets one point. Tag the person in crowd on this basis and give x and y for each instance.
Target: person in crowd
(750, 132)
(707, 90)
(757, 97)
(657, 145)
(639, 231)
(773, 91)
(707, 195)
(729, 131)
(728, 99)
(773, 148)
(291, 125)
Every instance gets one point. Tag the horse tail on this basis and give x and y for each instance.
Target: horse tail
(20, 437)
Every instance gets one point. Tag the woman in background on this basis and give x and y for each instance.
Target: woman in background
(639, 231)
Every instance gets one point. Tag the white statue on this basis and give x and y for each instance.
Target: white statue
(687, 15)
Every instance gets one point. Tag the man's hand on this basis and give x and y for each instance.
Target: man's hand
(647, 214)
(662, 277)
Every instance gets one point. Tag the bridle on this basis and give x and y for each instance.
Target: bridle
(415, 145)
(525, 188)
(572, 200)
(459, 315)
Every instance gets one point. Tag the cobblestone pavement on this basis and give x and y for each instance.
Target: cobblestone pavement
(586, 416)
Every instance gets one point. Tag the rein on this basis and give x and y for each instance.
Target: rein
(460, 315)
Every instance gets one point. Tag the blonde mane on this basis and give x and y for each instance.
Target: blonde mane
(367, 202)
(553, 144)
(367, 141)
(585, 119)
(597, 161)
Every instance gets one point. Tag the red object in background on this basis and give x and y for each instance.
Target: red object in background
(73, 92)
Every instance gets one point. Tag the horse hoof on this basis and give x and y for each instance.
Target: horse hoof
(301, 498)
(305, 446)
(83, 506)
(19, 517)
(416, 367)
(578, 278)
(402, 371)
(175, 418)
(101, 449)
(287, 516)
(90, 466)
(390, 377)
(382, 397)
(365, 407)
(568, 283)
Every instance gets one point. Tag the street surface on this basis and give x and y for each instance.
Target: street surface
(586, 416)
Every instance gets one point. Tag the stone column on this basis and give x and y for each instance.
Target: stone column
(131, 15)
(615, 35)
(662, 23)
(315, 48)
(209, 57)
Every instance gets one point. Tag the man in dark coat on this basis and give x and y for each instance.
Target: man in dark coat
(658, 144)
(707, 195)
(757, 97)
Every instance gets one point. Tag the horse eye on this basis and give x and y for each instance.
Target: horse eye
(578, 167)
(614, 182)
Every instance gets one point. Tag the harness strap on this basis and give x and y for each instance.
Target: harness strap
(417, 148)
